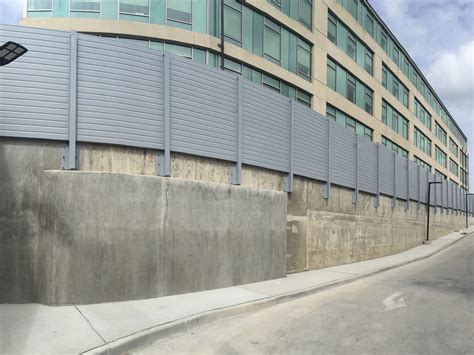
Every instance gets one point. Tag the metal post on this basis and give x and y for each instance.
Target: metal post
(441, 196)
(289, 178)
(70, 153)
(408, 184)
(327, 192)
(377, 196)
(356, 189)
(419, 189)
(466, 209)
(394, 199)
(164, 159)
(427, 241)
(237, 170)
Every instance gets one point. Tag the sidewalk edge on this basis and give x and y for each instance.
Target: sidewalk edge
(151, 335)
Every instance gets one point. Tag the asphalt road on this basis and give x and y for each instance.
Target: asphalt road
(422, 308)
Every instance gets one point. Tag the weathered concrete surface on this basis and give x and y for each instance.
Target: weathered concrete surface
(120, 237)
(131, 160)
(323, 233)
(87, 237)
(143, 231)
(25, 257)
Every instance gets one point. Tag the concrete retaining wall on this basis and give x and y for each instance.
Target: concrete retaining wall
(88, 237)
(114, 231)
(323, 233)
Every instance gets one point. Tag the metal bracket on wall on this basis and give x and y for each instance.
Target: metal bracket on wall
(65, 159)
(355, 193)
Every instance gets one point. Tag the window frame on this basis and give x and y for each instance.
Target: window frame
(265, 26)
(87, 11)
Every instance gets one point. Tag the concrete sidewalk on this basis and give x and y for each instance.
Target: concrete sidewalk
(122, 326)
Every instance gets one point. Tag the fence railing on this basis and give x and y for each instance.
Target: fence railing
(78, 88)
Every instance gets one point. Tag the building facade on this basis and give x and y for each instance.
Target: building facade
(336, 56)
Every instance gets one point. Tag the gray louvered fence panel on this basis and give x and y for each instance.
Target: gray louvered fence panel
(455, 203)
(310, 155)
(423, 185)
(401, 177)
(438, 191)
(266, 128)
(119, 93)
(203, 110)
(343, 156)
(120, 100)
(432, 178)
(413, 181)
(456, 198)
(34, 91)
(367, 166)
(445, 193)
(450, 194)
(386, 171)
(441, 196)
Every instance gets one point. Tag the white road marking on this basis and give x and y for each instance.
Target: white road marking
(390, 303)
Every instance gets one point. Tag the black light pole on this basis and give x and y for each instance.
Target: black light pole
(222, 34)
(11, 51)
(466, 210)
(428, 211)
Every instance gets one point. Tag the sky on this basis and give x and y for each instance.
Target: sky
(438, 35)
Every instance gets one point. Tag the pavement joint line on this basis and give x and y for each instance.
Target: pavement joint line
(88, 321)
(342, 272)
(152, 334)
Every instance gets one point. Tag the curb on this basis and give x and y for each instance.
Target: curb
(151, 335)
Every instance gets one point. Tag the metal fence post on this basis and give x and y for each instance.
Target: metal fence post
(442, 196)
(455, 200)
(394, 199)
(327, 191)
(69, 152)
(355, 194)
(236, 174)
(428, 182)
(377, 195)
(450, 197)
(435, 196)
(164, 158)
(408, 185)
(289, 178)
(419, 187)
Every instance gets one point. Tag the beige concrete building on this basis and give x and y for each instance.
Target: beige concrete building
(335, 55)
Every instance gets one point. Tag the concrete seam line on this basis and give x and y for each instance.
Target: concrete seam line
(152, 334)
(87, 320)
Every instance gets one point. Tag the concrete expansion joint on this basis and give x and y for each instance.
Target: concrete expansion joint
(90, 324)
